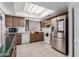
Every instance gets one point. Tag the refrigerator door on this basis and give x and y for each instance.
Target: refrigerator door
(59, 44)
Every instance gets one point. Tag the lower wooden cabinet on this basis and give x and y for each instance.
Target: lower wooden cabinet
(36, 36)
(40, 36)
(18, 38)
(32, 37)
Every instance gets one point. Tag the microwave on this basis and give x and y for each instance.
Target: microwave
(13, 30)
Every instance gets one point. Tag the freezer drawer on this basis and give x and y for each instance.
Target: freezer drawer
(59, 44)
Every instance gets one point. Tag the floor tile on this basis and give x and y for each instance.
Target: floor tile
(37, 49)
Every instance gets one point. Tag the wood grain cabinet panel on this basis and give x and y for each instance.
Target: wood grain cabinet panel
(21, 22)
(8, 21)
(32, 37)
(36, 36)
(16, 21)
(41, 36)
(18, 38)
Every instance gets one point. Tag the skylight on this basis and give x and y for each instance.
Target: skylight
(36, 10)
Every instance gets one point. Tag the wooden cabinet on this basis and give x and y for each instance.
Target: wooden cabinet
(21, 22)
(32, 37)
(8, 20)
(18, 22)
(14, 21)
(36, 36)
(41, 36)
(46, 23)
(18, 38)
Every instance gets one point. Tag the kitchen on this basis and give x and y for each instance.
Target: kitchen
(22, 26)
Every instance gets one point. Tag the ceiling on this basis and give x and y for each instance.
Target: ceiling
(37, 10)
(59, 7)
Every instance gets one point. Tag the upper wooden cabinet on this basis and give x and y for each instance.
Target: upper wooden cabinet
(8, 21)
(13, 21)
(46, 23)
(21, 22)
(16, 21)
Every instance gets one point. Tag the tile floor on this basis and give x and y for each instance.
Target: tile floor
(37, 49)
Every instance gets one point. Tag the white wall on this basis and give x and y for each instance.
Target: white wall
(21, 29)
(70, 29)
(3, 21)
(2, 40)
(76, 29)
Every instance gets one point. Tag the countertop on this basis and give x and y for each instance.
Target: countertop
(10, 38)
(23, 32)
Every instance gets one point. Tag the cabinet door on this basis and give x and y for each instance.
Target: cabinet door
(21, 22)
(33, 37)
(18, 38)
(40, 36)
(8, 21)
(16, 21)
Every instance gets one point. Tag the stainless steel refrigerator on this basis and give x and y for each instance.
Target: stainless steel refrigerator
(59, 35)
